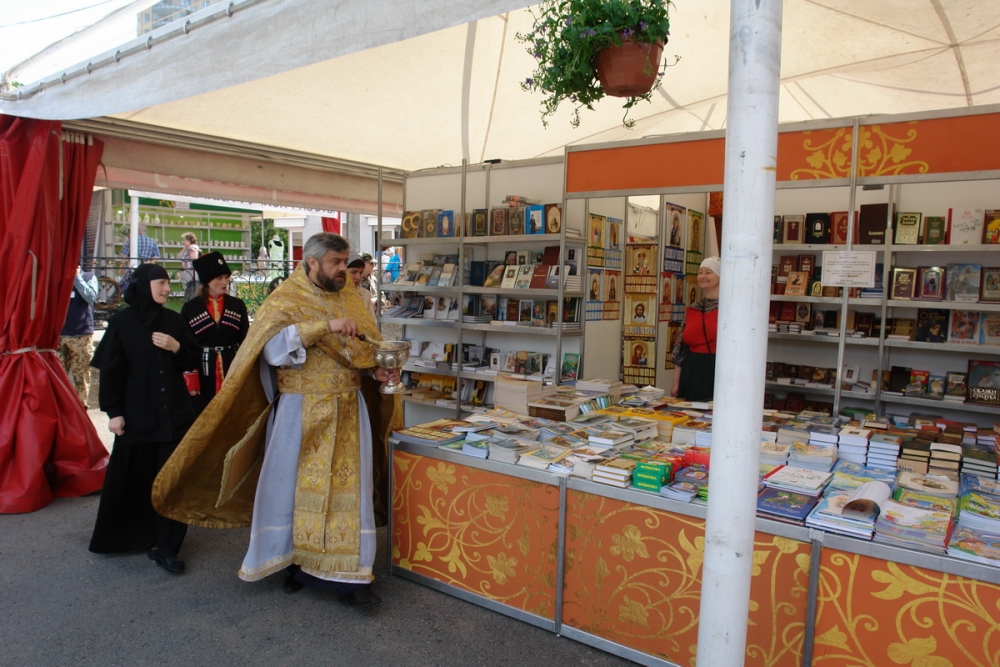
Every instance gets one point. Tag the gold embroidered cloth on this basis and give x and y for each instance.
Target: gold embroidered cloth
(326, 528)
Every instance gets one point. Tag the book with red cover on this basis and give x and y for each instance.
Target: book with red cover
(793, 228)
(772, 315)
(539, 276)
(838, 227)
(807, 263)
(787, 311)
(788, 264)
(550, 255)
(872, 224)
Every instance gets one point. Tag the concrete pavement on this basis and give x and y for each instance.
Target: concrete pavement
(62, 605)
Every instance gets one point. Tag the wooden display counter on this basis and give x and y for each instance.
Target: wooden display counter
(621, 570)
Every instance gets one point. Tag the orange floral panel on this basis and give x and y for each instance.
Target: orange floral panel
(633, 576)
(879, 613)
(483, 532)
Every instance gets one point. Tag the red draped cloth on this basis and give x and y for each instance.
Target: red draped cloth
(48, 445)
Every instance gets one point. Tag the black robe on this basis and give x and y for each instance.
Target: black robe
(145, 385)
(229, 332)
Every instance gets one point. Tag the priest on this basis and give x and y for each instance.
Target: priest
(287, 443)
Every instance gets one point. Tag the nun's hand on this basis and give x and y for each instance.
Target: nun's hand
(117, 425)
(166, 342)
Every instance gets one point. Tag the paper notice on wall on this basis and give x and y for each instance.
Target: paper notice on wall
(848, 268)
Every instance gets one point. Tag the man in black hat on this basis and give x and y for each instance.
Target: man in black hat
(219, 323)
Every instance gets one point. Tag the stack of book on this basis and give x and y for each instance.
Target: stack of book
(612, 387)
(542, 457)
(614, 472)
(651, 475)
(641, 429)
(799, 480)
(695, 474)
(508, 450)
(433, 433)
(977, 535)
(514, 395)
(852, 444)
(774, 453)
(608, 435)
(944, 458)
(820, 456)
(883, 450)
(586, 458)
(478, 448)
(910, 525)
(979, 460)
(914, 455)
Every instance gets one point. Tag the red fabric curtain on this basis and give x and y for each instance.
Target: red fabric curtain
(48, 445)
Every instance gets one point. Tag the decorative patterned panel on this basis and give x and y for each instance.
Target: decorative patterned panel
(482, 532)
(879, 613)
(633, 576)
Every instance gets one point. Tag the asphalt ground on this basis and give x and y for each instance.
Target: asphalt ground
(62, 605)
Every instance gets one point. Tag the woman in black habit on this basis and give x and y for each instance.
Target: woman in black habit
(219, 323)
(142, 358)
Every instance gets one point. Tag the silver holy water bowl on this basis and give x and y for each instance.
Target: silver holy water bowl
(390, 355)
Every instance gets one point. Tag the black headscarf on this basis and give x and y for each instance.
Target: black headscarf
(139, 296)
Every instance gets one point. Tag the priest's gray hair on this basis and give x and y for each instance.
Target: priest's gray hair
(319, 244)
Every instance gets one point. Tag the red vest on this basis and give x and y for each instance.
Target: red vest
(700, 330)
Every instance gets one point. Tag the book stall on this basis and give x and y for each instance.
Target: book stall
(594, 528)
(579, 505)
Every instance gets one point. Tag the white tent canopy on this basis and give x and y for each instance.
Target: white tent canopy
(414, 84)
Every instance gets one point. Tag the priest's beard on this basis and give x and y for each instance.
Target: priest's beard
(331, 283)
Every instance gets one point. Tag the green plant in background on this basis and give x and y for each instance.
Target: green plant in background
(566, 35)
(260, 234)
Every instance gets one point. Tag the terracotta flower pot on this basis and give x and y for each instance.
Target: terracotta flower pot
(628, 70)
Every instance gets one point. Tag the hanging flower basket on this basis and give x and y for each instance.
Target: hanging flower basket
(629, 70)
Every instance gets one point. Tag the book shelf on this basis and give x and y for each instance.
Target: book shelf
(217, 229)
(914, 163)
(463, 190)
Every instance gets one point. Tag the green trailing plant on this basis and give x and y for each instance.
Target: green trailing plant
(568, 33)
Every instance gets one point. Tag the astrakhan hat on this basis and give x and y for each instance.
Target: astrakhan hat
(210, 266)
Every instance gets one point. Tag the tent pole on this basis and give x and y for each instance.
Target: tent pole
(748, 198)
(133, 231)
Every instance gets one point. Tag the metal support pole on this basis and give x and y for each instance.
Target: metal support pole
(751, 162)
(133, 231)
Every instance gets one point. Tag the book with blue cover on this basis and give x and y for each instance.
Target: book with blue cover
(788, 505)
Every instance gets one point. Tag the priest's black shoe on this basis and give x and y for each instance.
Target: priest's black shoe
(292, 585)
(167, 560)
(362, 597)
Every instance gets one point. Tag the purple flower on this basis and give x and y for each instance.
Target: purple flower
(642, 26)
(529, 81)
(589, 32)
(538, 55)
(627, 33)
(568, 20)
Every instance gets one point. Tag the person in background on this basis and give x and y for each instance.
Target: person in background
(76, 337)
(694, 352)
(393, 263)
(219, 322)
(188, 253)
(142, 358)
(147, 248)
(356, 271)
(366, 277)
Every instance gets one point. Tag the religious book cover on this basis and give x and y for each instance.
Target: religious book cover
(930, 283)
(838, 227)
(797, 283)
(676, 215)
(515, 220)
(539, 275)
(595, 231)
(793, 228)
(553, 219)
(907, 229)
(696, 230)
(818, 228)
(788, 264)
(612, 285)
(430, 223)
(409, 225)
(535, 219)
(480, 223)
(871, 224)
(807, 263)
(904, 283)
(935, 230)
(595, 280)
(498, 221)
